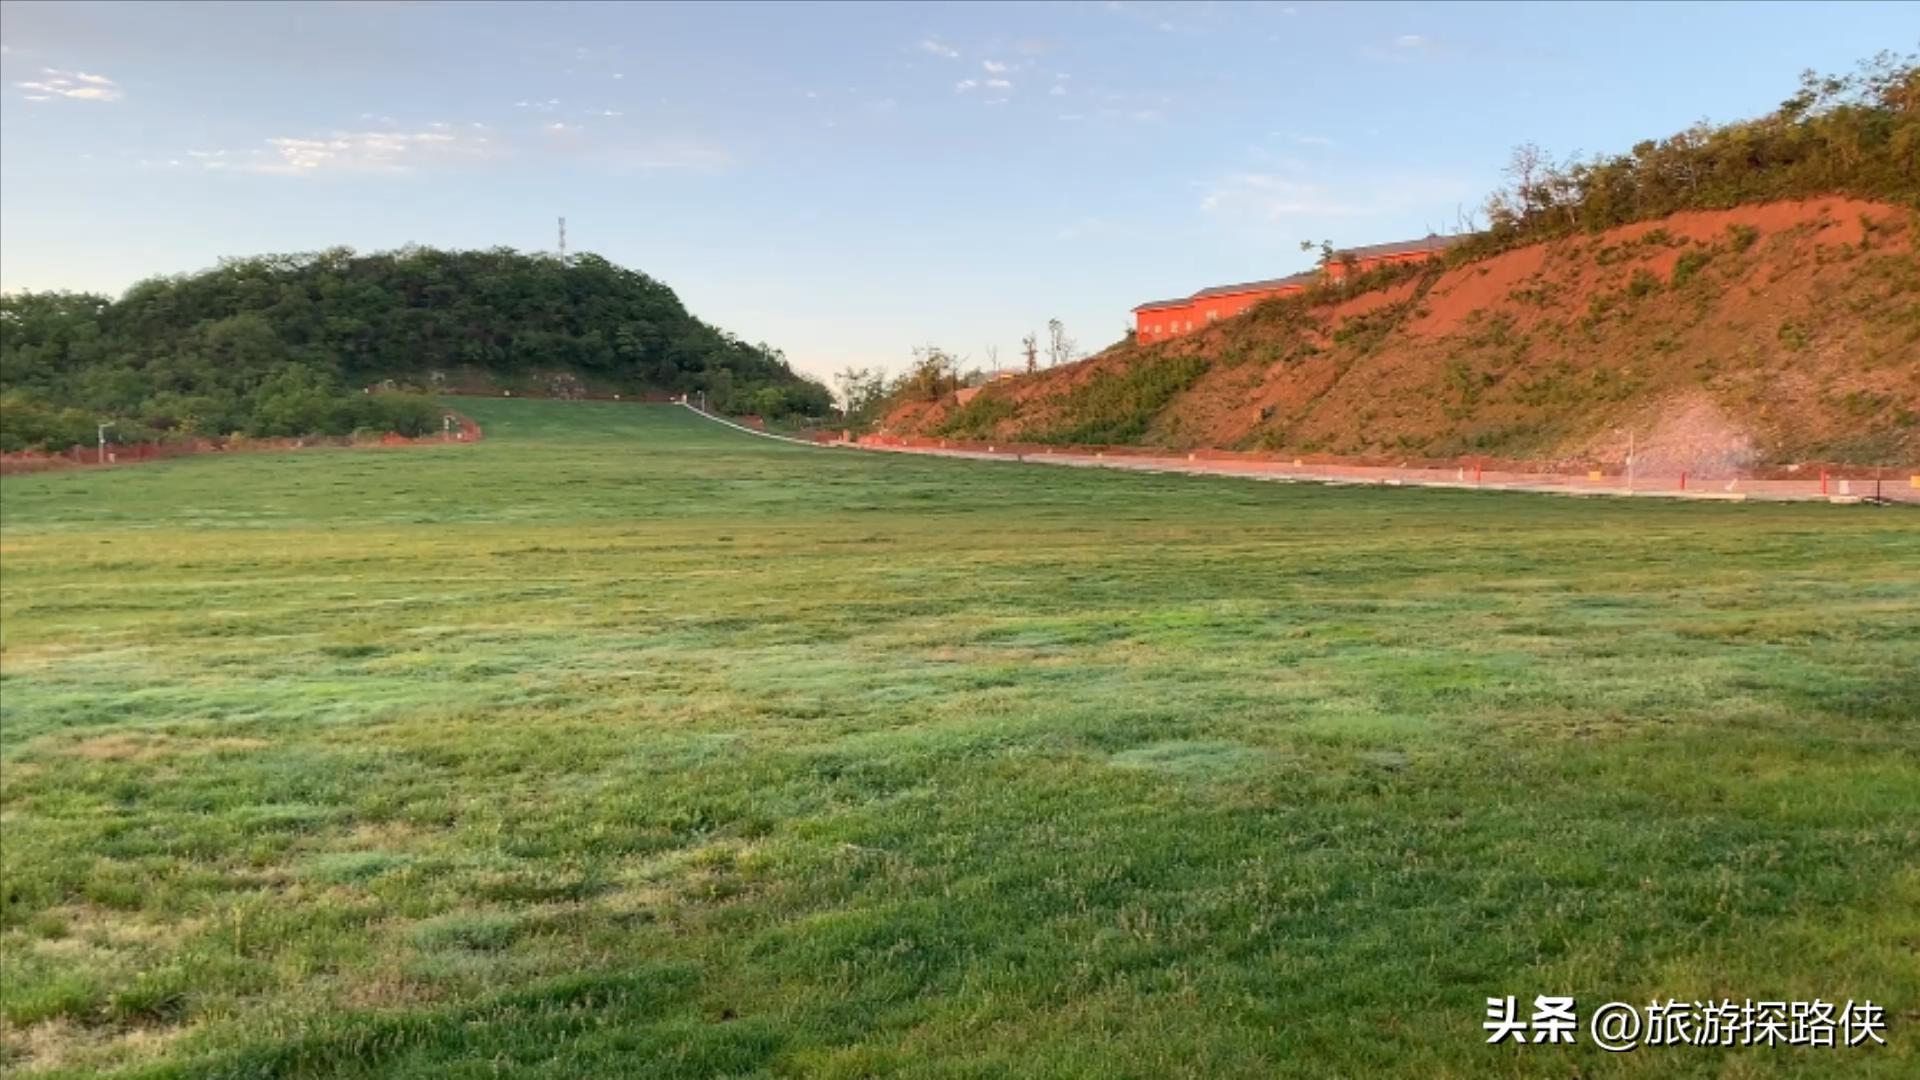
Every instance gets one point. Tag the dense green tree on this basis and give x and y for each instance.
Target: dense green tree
(1856, 134)
(286, 344)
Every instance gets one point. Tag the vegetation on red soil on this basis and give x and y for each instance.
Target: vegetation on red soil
(1716, 338)
(1727, 296)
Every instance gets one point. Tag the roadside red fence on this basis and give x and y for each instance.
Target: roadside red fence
(1839, 483)
(29, 461)
(643, 397)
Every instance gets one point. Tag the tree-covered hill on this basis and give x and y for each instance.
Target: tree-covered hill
(285, 345)
(1856, 133)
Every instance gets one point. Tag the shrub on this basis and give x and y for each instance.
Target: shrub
(1689, 266)
(1792, 335)
(412, 415)
(977, 417)
(1118, 408)
(26, 423)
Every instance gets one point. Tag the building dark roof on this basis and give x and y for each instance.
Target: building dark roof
(1291, 281)
(1430, 242)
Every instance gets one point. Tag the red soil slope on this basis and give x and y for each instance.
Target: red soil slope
(1715, 340)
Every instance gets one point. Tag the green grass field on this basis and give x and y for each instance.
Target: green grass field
(620, 744)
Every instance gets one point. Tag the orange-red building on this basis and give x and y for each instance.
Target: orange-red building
(1159, 320)
(1362, 259)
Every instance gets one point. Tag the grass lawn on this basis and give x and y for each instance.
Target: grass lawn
(621, 744)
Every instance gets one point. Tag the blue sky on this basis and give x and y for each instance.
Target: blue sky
(843, 181)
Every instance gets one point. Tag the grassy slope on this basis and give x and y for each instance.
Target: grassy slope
(619, 744)
(1795, 323)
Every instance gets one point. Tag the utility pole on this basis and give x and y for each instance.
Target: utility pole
(101, 459)
(563, 241)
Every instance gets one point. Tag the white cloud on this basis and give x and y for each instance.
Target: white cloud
(1267, 197)
(1096, 227)
(1313, 140)
(1172, 16)
(1059, 90)
(373, 153)
(362, 152)
(929, 45)
(1401, 48)
(964, 85)
(1275, 197)
(659, 155)
(998, 84)
(1127, 107)
(70, 85)
(994, 67)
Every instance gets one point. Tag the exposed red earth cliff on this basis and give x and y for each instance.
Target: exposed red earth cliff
(1712, 340)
